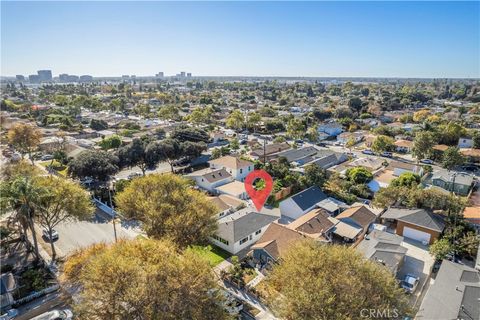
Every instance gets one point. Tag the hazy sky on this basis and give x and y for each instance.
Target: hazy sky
(392, 39)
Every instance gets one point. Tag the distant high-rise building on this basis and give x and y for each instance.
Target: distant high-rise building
(125, 76)
(86, 78)
(19, 77)
(182, 74)
(159, 75)
(72, 78)
(45, 75)
(63, 77)
(189, 75)
(34, 78)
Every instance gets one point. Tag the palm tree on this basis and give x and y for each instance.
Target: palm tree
(21, 196)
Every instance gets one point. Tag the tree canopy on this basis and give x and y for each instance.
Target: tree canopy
(99, 165)
(143, 279)
(24, 138)
(316, 281)
(169, 207)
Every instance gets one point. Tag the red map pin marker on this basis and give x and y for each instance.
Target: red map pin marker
(258, 196)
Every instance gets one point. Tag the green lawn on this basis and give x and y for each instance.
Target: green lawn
(213, 254)
(61, 169)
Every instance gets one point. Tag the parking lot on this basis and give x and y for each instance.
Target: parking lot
(418, 262)
(80, 234)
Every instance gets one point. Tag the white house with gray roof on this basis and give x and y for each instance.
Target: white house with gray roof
(209, 179)
(241, 229)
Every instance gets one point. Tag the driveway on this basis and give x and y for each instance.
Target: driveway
(418, 262)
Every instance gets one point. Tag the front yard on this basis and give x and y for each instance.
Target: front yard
(214, 255)
(57, 166)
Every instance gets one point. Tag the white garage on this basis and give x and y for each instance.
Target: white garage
(416, 235)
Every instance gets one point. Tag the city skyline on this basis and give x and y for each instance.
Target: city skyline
(321, 39)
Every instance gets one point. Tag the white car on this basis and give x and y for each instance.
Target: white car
(426, 161)
(47, 236)
(65, 314)
(410, 283)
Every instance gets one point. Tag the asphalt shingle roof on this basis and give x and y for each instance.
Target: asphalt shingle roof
(418, 217)
(309, 197)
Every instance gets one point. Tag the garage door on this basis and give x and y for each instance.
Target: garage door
(416, 235)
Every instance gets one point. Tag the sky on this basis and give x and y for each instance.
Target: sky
(312, 39)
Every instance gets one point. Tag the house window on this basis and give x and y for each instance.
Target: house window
(244, 240)
(258, 232)
(220, 239)
(241, 171)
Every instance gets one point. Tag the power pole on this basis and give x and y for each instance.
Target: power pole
(114, 215)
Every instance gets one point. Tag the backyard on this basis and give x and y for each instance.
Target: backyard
(214, 255)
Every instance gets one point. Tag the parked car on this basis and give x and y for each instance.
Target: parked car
(46, 157)
(471, 168)
(243, 141)
(410, 283)
(386, 154)
(299, 141)
(368, 151)
(426, 161)
(65, 314)
(134, 175)
(10, 314)
(52, 237)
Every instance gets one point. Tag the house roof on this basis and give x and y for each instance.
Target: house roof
(245, 222)
(471, 213)
(404, 143)
(314, 223)
(343, 229)
(470, 152)
(277, 239)
(234, 188)
(418, 217)
(447, 176)
(440, 147)
(367, 162)
(401, 165)
(308, 197)
(271, 149)
(455, 294)
(361, 215)
(383, 247)
(231, 162)
(216, 175)
(297, 154)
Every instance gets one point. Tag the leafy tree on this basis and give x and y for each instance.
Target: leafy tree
(138, 153)
(236, 120)
(295, 128)
(62, 200)
(355, 104)
(192, 149)
(234, 144)
(167, 150)
(423, 144)
(24, 138)
(143, 279)
(450, 133)
(383, 143)
(98, 124)
(198, 116)
(355, 284)
(168, 207)
(322, 114)
(112, 142)
(359, 175)
(216, 153)
(440, 248)
(315, 175)
(343, 112)
(312, 134)
(185, 133)
(421, 115)
(21, 194)
(99, 165)
(169, 112)
(452, 158)
(254, 119)
(406, 179)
